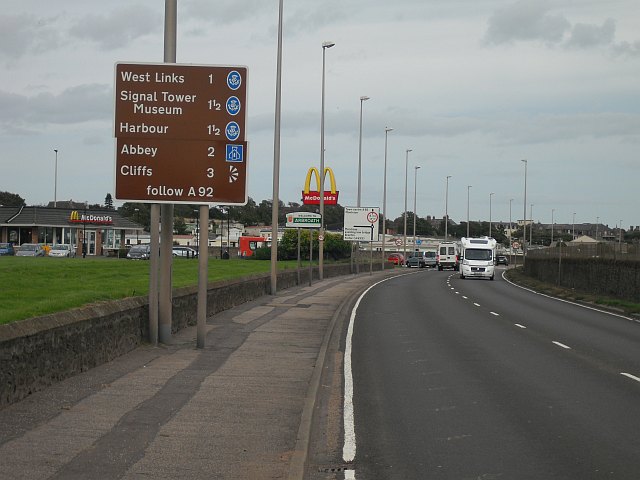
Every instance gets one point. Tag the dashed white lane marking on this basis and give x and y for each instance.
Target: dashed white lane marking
(495, 314)
(466, 298)
(519, 326)
(476, 304)
(562, 345)
(632, 377)
(457, 293)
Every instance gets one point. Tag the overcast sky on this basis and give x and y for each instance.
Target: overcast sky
(471, 86)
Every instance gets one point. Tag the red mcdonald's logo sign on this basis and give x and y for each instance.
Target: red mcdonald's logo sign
(312, 197)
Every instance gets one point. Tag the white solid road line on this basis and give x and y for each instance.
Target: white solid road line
(562, 345)
(632, 377)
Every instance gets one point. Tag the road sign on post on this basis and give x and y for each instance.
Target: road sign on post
(180, 133)
(361, 224)
(303, 220)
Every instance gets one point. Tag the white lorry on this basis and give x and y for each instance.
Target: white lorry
(478, 257)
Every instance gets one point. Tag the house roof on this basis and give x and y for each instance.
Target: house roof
(61, 217)
(583, 239)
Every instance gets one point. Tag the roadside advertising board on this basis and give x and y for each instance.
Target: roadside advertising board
(303, 220)
(180, 133)
(361, 224)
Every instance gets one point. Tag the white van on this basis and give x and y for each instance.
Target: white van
(448, 256)
(478, 257)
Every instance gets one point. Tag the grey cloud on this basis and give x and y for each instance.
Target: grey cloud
(118, 28)
(225, 11)
(23, 34)
(526, 21)
(588, 36)
(74, 105)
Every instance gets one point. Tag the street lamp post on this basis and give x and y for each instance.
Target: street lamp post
(597, 224)
(552, 212)
(524, 226)
(325, 45)
(573, 227)
(363, 99)
(406, 174)
(446, 210)
(490, 196)
(468, 193)
(55, 182)
(510, 226)
(531, 226)
(384, 197)
(415, 194)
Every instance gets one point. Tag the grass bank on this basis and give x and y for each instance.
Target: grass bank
(517, 276)
(30, 287)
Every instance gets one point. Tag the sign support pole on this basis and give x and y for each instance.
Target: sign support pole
(310, 256)
(298, 256)
(153, 273)
(166, 233)
(203, 263)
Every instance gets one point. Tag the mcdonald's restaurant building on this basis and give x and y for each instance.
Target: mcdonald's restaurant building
(101, 231)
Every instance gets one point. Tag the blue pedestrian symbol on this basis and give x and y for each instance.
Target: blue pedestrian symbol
(232, 131)
(234, 80)
(235, 153)
(233, 105)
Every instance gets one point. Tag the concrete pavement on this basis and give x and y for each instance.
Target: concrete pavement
(238, 409)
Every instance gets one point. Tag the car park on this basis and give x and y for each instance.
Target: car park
(502, 260)
(139, 252)
(62, 250)
(6, 249)
(416, 259)
(396, 258)
(30, 250)
(187, 252)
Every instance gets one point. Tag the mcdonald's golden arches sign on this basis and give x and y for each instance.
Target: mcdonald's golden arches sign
(312, 197)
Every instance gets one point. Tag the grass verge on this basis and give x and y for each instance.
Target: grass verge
(32, 287)
(615, 304)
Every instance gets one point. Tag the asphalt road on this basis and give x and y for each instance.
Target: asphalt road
(473, 379)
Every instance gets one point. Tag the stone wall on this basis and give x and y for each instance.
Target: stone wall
(38, 352)
(599, 276)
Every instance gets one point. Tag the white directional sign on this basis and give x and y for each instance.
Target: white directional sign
(303, 220)
(361, 224)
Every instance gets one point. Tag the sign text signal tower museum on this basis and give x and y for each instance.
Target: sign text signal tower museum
(180, 133)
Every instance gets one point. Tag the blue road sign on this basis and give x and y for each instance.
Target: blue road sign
(233, 105)
(232, 131)
(234, 153)
(234, 80)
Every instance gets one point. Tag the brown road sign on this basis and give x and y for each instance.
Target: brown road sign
(178, 171)
(180, 133)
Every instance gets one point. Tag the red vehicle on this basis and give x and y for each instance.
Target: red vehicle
(248, 245)
(396, 258)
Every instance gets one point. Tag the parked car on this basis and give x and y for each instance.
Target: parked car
(416, 259)
(396, 258)
(62, 250)
(186, 252)
(30, 250)
(139, 252)
(6, 249)
(502, 260)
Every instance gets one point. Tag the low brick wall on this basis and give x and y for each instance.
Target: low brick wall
(39, 352)
(598, 276)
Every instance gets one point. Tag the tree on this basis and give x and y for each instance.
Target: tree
(8, 199)
(108, 202)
